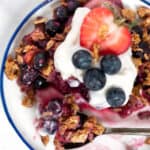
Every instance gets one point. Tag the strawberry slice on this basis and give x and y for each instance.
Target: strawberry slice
(98, 29)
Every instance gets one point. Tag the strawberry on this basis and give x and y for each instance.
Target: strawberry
(99, 29)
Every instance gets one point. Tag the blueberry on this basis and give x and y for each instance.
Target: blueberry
(28, 75)
(61, 13)
(24, 67)
(137, 54)
(55, 106)
(40, 60)
(51, 126)
(52, 27)
(145, 46)
(73, 5)
(40, 83)
(110, 64)
(82, 59)
(115, 96)
(94, 79)
(138, 30)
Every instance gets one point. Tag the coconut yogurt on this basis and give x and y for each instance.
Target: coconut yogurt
(63, 63)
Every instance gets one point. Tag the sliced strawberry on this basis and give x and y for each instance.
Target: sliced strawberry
(99, 29)
(91, 25)
(118, 42)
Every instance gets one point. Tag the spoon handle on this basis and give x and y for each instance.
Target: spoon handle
(128, 131)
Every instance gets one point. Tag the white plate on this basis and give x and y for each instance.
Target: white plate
(21, 118)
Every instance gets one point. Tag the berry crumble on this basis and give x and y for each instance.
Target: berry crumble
(90, 57)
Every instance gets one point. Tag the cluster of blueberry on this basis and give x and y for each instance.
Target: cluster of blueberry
(58, 109)
(30, 74)
(95, 78)
(51, 124)
(61, 14)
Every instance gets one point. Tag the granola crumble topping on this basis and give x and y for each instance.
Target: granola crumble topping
(72, 129)
(11, 68)
(47, 70)
(29, 99)
(147, 141)
(80, 136)
(128, 14)
(143, 11)
(45, 139)
(40, 20)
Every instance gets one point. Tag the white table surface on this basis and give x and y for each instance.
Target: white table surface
(11, 13)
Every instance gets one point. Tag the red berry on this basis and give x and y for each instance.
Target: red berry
(29, 56)
(98, 29)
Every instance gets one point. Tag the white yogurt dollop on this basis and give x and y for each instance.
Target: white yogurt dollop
(64, 53)
(124, 79)
(63, 63)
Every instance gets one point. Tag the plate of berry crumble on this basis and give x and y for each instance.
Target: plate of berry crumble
(74, 68)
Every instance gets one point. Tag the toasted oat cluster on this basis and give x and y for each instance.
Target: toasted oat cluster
(12, 69)
(72, 128)
(77, 129)
(140, 30)
(45, 139)
(147, 141)
(33, 68)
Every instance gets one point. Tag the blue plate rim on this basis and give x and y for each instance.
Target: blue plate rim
(22, 23)
(146, 2)
(26, 18)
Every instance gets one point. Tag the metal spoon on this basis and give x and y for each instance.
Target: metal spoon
(122, 131)
(128, 131)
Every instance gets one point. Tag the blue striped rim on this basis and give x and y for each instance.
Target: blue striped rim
(3, 64)
(146, 2)
(26, 18)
